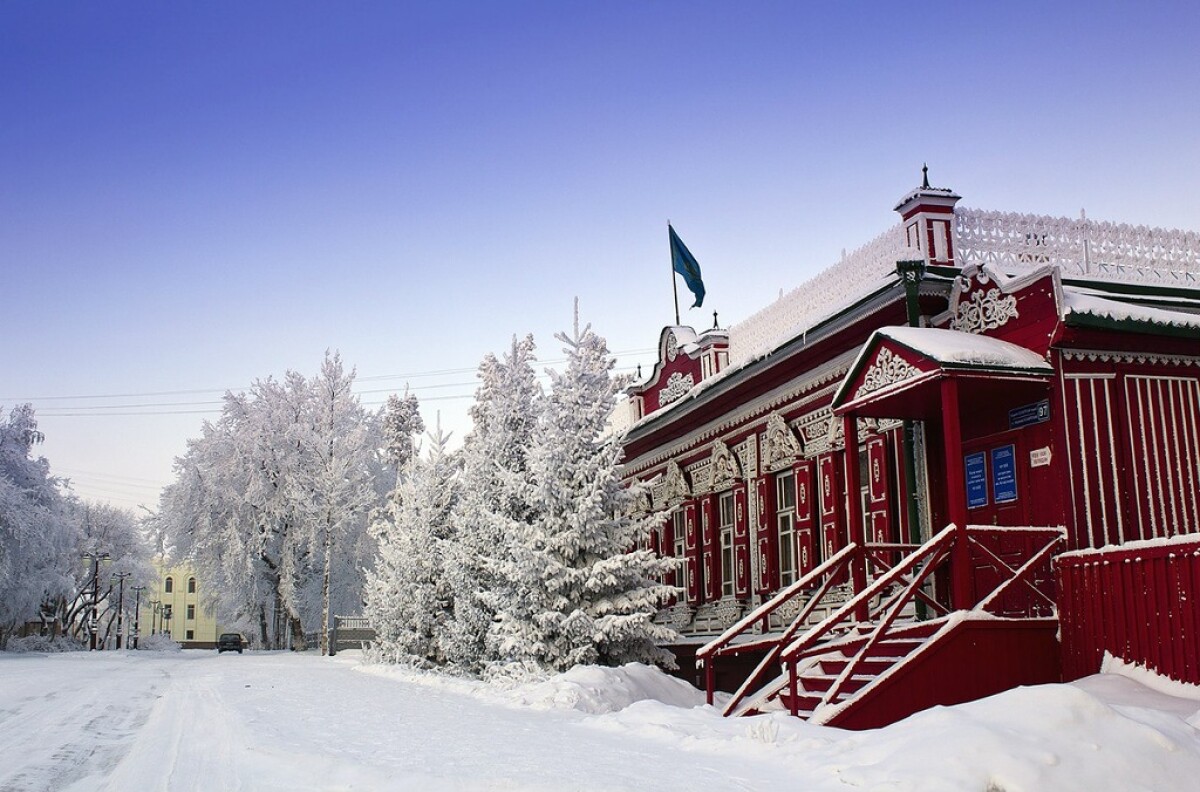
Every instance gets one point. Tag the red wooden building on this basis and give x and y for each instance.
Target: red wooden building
(965, 457)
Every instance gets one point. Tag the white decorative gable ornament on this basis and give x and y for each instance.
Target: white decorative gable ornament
(781, 446)
(887, 369)
(984, 311)
(672, 346)
(676, 388)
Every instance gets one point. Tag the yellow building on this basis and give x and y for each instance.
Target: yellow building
(173, 606)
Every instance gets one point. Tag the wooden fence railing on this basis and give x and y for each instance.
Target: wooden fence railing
(1139, 602)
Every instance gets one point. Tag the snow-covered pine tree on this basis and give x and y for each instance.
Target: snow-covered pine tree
(495, 500)
(407, 594)
(402, 425)
(583, 594)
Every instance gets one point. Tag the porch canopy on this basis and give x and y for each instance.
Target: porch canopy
(900, 370)
(927, 374)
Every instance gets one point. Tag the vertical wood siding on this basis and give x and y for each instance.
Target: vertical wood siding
(1094, 459)
(1164, 440)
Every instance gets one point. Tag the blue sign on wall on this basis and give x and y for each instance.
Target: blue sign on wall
(1004, 474)
(975, 470)
(1029, 414)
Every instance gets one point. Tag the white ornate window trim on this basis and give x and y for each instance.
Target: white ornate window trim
(780, 446)
(726, 468)
(984, 311)
(676, 388)
(676, 489)
(888, 369)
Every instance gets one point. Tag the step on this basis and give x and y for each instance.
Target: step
(819, 683)
(805, 703)
(872, 666)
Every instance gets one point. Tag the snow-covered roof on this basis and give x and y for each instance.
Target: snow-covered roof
(828, 293)
(1082, 303)
(955, 348)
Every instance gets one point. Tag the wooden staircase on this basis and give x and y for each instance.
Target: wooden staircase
(828, 671)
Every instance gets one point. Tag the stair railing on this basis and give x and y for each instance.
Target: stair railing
(931, 555)
(1055, 536)
(829, 570)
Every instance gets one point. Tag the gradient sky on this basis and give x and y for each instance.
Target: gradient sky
(195, 195)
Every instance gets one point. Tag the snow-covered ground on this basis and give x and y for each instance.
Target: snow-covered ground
(278, 721)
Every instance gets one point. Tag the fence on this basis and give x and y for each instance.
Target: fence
(1137, 602)
(349, 632)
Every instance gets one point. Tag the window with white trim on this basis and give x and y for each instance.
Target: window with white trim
(785, 522)
(725, 527)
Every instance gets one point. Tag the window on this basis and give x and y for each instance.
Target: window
(191, 612)
(189, 635)
(785, 521)
(680, 528)
(725, 526)
(169, 586)
(679, 550)
(191, 586)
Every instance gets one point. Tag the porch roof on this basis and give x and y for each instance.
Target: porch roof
(896, 373)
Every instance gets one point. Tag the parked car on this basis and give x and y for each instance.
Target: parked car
(231, 642)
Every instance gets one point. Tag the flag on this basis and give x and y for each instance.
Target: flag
(683, 262)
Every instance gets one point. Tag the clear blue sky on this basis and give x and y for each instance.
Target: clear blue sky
(194, 195)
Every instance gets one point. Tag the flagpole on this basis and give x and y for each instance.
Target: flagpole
(674, 280)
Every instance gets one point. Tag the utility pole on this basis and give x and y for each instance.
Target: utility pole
(137, 612)
(94, 621)
(120, 578)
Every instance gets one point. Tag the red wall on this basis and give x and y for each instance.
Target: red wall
(980, 658)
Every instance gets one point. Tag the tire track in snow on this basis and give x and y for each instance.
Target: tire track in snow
(78, 728)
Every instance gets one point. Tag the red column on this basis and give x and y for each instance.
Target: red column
(961, 586)
(854, 515)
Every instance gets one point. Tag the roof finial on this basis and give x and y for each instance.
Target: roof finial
(715, 325)
(925, 176)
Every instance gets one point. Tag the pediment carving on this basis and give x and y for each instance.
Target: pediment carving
(781, 446)
(726, 468)
(676, 488)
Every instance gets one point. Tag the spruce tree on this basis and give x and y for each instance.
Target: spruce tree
(495, 501)
(408, 600)
(581, 592)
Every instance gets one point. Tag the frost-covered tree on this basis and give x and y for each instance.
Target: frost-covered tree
(582, 594)
(401, 426)
(407, 595)
(233, 512)
(118, 535)
(270, 502)
(495, 500)
(37, 536)
(334, 481)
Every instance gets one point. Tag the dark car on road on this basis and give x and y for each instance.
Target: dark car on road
(231, 642)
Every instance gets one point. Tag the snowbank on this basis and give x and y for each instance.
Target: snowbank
(591, 690)
(1048, 737)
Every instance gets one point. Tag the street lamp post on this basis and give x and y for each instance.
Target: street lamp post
(94, 622)
(137, 612)
(154, 606)
(120, 578)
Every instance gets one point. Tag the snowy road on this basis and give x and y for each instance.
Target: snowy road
(147, 721)
(263, 721)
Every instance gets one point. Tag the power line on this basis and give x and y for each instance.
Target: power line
(373, 378)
